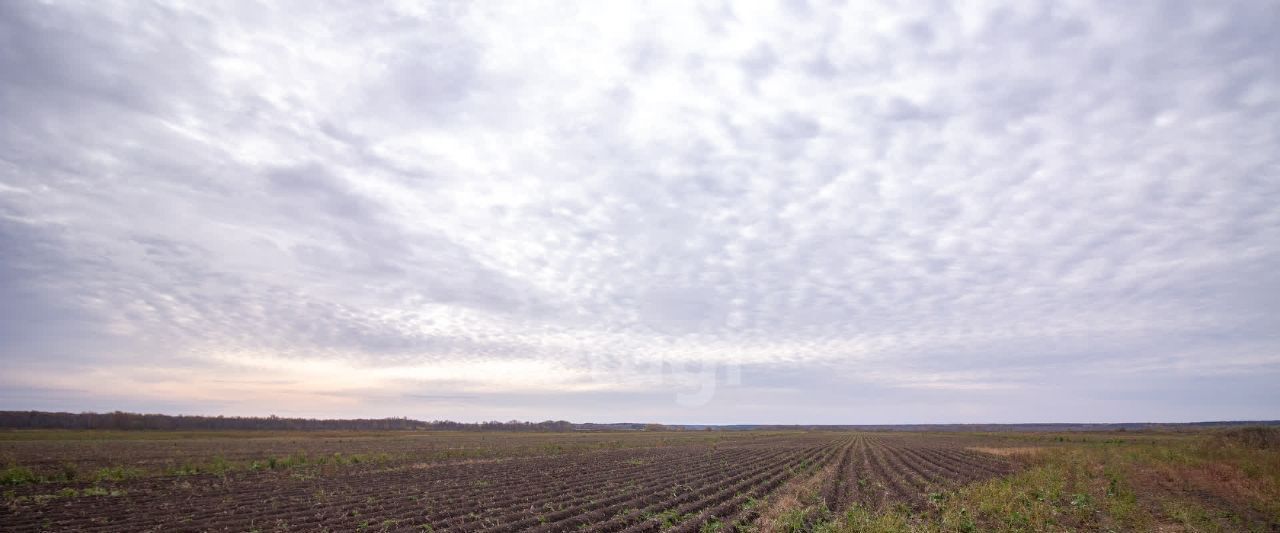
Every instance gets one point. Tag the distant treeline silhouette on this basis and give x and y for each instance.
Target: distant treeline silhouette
(122, 420)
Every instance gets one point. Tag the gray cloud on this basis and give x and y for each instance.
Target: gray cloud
(860, 213)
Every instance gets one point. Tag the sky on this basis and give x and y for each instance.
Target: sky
(738, 212)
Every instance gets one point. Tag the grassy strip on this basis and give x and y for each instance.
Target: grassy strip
(21, 475)
(1204, 484)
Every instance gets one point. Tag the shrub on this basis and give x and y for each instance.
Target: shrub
(1255, 437)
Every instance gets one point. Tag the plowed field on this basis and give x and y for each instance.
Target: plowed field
(453, 482)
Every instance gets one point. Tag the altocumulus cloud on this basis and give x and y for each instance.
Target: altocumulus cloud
(829, 213)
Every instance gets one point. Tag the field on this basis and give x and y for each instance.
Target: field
(634, 481)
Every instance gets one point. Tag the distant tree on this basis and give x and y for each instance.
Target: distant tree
(134, 421)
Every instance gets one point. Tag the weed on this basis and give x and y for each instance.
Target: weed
(116, 473)
(219, 466)
(69, 471)
(17, 475)
(95, 491)
(665, 518)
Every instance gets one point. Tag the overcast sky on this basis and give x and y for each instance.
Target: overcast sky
(712, 213)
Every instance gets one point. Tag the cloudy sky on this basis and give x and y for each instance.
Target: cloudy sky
(710, 213)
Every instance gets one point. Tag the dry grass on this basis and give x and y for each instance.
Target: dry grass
(1022, 451)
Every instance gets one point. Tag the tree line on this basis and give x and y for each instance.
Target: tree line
(127, 421)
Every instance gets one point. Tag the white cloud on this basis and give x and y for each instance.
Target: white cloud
(971, 199)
